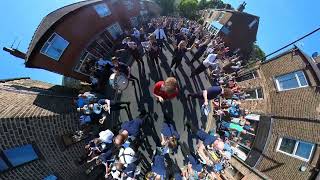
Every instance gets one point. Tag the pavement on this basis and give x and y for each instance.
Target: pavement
(179, 109)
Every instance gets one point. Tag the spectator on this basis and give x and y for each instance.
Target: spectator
(211, 60)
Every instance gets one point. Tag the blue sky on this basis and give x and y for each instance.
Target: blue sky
(281, 21)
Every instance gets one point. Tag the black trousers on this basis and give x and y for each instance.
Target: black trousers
(116, 105)
(154, 58)
(198, 70)
(176, 62)
(160, 43)
(198, 95)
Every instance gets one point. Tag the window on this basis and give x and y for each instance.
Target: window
(54, 47)
(247, 76)
(3, 165)
(298, 149)
(254, 94)
(225, 30)
(291, 81)
(115, 30)
(252, 23)
(142, 13)
(128, 4)
(142, 5)
(20, 155)
(102, 10)
(210, 16)
(134, 21)
(220, 16)
(87, 60)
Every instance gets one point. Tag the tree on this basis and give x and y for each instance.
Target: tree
(188, 8)
(167, 6)
(256, 54)
(202, 4)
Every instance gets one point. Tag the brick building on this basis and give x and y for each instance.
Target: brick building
(284, 95)
(34, 116)
(70, 38)
(237, 28)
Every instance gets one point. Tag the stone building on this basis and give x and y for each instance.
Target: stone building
(284, 95)
(34, 117)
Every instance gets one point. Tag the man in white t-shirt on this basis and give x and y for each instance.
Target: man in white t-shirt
(211, 60)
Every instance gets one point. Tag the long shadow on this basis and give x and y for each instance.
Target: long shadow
(153, 69)
(167, 109)
(165, 64)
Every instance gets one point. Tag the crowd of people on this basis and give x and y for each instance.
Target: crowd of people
(114, 152)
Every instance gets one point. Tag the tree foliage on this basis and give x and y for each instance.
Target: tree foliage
(168, 6)
(217, 4)
(188, 8)
(256, 54)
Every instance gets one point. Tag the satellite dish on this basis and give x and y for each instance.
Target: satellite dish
(315, 54)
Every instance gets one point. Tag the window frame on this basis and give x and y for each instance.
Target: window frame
(11, 166)
(106, 6)
(297, 79)
(112, 26)
(295, 149)
(249, 73)
(257, 94)
(132, 19)
(82, 60)
(49, 41)
(128, 4)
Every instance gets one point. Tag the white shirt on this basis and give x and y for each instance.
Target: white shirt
(211, 60)
(127, 156)
(136, 33)
(162, 34)
(106, 136)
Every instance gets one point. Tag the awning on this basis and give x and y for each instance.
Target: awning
(216, 25)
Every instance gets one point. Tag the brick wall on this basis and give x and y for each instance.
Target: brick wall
(281, 166)
(33, 117)
(296, 112)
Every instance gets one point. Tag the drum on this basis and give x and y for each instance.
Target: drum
(118, 81)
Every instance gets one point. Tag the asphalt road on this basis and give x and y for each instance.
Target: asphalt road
(179, 109)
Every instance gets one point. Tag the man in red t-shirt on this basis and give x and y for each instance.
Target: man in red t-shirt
(165, 90)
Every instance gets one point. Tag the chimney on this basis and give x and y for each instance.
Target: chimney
(242, 7)
(15, 52)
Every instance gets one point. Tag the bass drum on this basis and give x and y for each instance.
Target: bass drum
(118, 81)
